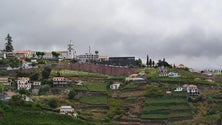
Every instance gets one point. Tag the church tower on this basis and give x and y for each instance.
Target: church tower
(71, 51)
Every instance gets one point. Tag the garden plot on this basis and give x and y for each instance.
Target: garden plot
(94, 99)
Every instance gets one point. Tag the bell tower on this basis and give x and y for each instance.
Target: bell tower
(71, 52)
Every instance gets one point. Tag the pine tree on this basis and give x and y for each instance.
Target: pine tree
(8, 44)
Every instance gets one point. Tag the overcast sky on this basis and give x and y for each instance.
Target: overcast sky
(182, 31)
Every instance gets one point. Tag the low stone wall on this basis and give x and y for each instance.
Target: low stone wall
(97, 68)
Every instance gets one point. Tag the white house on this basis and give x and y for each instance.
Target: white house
(162, 71)
(24, 54)
(178, 89)
(48, 55)
(192, 90)
(26, 65)
(115, 86)
(181, 66)
(60, 81)
(2, 55)
(5, 81)
(66, 110)
(36, 83)
(173, 75)
(23, 83)
(63, 54)
(134, 77)
(88, 56)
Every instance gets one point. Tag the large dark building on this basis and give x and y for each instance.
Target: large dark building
(122, 61)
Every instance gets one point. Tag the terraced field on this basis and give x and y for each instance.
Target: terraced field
(167, 107)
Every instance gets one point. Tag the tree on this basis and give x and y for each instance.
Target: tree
(46, 73)
(58, 74)
(34, 76)
(150, 62)
(163, 63)
(153, 63)
(72, 94)
(147, 60)
(139, 62)
(22, 73)
(16, 100)
(55, 54)
(74, 61)
(1, 88)
(34, 64)
(40, 54)
(24, 92)
(44, 89)
(47, 82)
(8, 44)
(96, 52)
(53, 103)
(14, 62)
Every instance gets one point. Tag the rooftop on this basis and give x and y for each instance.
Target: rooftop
(66, 107)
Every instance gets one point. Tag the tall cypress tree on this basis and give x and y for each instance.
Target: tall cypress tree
(147, 60)
(150, 62)
(8, 44)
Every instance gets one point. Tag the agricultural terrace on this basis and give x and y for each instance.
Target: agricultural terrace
(75, 73)
(185, 77)
(167, 107)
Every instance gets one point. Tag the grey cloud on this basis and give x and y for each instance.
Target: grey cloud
(171, 29)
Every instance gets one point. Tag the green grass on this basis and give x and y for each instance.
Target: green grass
(94, 100)
(74, 73)
(180, 114)
(165, 100)
(130, 100)
(30, 116)
(97, 86)
(131, 86)
(169, 108)
(80, 88)
(152, 73)
(155, 116)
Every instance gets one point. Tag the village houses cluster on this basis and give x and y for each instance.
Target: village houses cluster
(70, 53)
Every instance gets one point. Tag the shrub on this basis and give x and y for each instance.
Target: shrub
(72, 94)
(34, 76)
(16, 100)
(44, 89)
(47, 82)
(46, 73)
(53, 103)
(4, 73)
(22, 73)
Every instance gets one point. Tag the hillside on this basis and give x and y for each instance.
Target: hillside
(139, 102)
